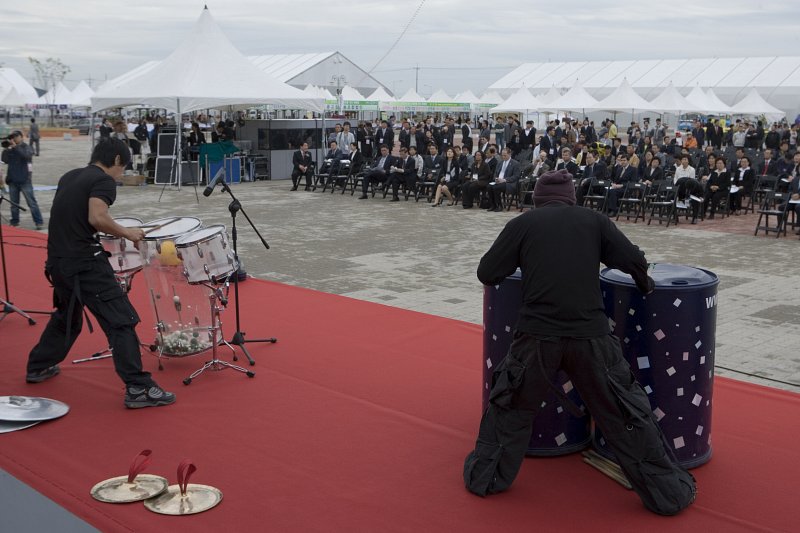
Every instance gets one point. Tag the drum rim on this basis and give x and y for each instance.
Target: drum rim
(220, 228)
(109, 237)
(172, 235)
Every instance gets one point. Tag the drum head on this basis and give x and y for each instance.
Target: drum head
(125, 222)
(199, 235)
(171, 227)
(30, 409)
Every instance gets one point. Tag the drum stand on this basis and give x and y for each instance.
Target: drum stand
(216, 333)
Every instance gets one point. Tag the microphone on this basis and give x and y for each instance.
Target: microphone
(219, 176)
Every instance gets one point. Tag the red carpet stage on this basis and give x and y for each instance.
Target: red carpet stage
(359, 419)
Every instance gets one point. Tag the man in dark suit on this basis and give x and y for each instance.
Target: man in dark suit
(770, 166)
(624, 173)
(303, 166)
(528, 136)
(433, 164)
(405, 136)
(385, 135)
(379, 173)
(714, 134)
(548, 144)
(330, 165)
(466, 134)
(594, 169)
(567, 162)
(416, 138)
(699, 133)
(506, 176)
(403, 170)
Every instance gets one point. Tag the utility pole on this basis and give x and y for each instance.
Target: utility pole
(416, 79)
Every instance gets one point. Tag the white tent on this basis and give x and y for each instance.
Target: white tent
(14, 90)
(698, 98)
(550, 96)
(576, 99)
(521, 101)
(491, 97)
(58, 95)
(325, 93)
(671, 101)
(348, 93)
(624, 99)
(411, 96)
(440, 96)
(715, 103)
(82, 95)
(467, 97)
(380, 95)
(188, 80)
(753, 104)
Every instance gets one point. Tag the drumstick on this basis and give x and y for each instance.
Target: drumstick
(159, 226)
(607, 467)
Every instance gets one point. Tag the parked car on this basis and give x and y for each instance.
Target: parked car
(83, 126)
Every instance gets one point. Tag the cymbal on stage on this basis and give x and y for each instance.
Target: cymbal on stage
(119, 490)
(8, 427)
(30, 409)
(196, 499)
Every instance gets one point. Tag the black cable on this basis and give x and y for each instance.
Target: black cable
(757, 376)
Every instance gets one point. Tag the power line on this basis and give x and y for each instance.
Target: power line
(444, 68)
(396, 42)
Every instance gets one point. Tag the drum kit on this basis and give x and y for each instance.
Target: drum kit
(187, 269)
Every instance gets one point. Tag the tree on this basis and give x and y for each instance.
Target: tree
(49, 73)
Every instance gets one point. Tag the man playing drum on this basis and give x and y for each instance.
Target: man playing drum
(562, 325)
(81, 275)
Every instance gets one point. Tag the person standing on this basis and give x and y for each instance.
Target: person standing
(33, 136)
(562, 325)
(18, 156)
(78, 268)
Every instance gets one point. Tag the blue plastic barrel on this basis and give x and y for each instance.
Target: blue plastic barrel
(555, 430)
(668, 338)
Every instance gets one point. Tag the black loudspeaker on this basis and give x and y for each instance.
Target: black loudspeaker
(166, 144)
(167, 172)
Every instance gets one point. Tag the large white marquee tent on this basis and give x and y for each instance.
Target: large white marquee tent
(776, 78)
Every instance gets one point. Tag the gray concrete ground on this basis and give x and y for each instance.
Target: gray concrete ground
(411, 256)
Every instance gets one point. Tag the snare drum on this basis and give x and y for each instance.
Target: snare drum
(158, 246)
(125, 258)
(206, 255)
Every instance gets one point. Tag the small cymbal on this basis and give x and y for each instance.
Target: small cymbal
(196, 499)
(119, 490)
(30, 409)
(8, 427)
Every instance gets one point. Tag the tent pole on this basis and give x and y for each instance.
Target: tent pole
(179, 142)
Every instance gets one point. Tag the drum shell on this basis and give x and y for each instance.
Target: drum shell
(208, 258)
(668, 338)
(124, 258)
(555, 430)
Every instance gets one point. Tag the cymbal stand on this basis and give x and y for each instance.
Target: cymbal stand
(5, 303)
(217, 339)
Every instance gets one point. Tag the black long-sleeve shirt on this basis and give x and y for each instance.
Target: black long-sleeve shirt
(559, 249)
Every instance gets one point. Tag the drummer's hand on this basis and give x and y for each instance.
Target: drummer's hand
(134, 234)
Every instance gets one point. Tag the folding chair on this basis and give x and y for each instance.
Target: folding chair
(775, 204)
(662, 207)
(597, 196)
(632, 201)
(762, 186)
(340, 178)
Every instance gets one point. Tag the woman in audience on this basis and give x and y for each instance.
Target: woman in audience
(449, 178)
(718, 183)
(485, 130)
(480, 176)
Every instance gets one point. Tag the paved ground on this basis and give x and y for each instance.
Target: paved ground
(412, 256)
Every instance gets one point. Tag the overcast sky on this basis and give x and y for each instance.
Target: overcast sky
(459, 43)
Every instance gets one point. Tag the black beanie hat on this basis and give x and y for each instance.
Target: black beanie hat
(554, 186)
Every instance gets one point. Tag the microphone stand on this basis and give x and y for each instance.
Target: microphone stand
(8, 307)
(235, 207)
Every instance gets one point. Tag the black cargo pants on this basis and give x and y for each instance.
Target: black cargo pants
(612, 396)
(89, 282)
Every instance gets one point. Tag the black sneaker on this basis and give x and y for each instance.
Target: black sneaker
(137, 396)
(42, 375)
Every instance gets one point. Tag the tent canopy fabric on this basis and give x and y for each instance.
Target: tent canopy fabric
(204, 71)
(411, 96)
(491, 97)
(550, 96)
(380, 95)
(14, 90)
(671, 101)
(624, 99)
(467, 97)
(522, 100)
(58, 95)
(440, 96)
(576, 99)
(715, 103)
(753, 104)
(349, 93)
(82, 95)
